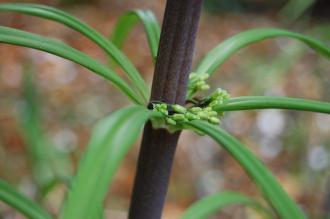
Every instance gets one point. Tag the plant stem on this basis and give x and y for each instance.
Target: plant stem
(169, 85)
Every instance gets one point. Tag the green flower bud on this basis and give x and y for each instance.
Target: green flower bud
(159, 108)
(195, 110)
(163, 106)
(220, 95)
(225, 94)
(170, 121)
(178, 117)
(179, 109)
(207, 109)
(214, 120)
(217, 93)
(204, 76)
(219, 90)
(213, 103)
(191, 116)
(199, 84)
(193, 75)
(165, 112)
(203, 115)
(205, 87)
(212, 113)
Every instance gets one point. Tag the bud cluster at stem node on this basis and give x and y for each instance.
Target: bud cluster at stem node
(176, 115)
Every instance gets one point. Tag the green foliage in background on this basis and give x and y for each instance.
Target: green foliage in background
(49, 165)
(113, 136)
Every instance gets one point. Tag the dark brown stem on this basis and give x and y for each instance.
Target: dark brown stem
(169, 85)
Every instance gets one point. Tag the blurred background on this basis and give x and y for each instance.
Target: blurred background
(48, 106)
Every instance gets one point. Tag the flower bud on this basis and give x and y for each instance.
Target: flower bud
(212, 113)
(178, 117)
(170, 121)
(192, 75)
(191, 116)
(203, 115)
(163, 106)
(214, 120)
(204, 76)
(214, 103)
(195, 110)
(199, 84)
(179, 109)
(205, 87)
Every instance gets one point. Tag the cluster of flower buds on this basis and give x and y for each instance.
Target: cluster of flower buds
(218, 97)
(197, 82)
(176, 114)
(161, 108)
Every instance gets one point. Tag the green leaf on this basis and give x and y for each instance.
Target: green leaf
(294, 9)
(218, 55)
(211, 204)
(111, 140)
(50, 165)
(129, 20)
(272, 102)
(267, 183)
(74, 23)
(30, 119)
(25, 39)
(21, 203)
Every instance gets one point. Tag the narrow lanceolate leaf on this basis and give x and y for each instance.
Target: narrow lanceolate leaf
(217, 56)
(272, 102)
(25, 39)
(129, 20)
(49, 164)
(284, 206)
(74, 23)
(212, 204)
(110, 141)
(21, 203)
